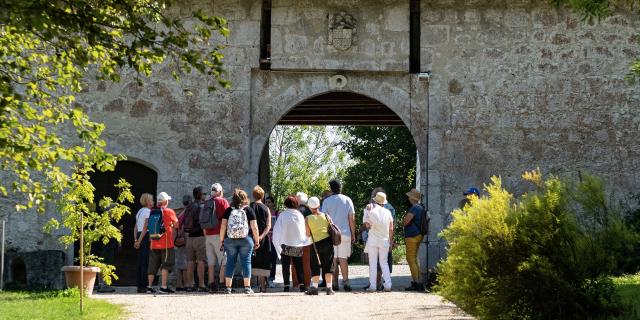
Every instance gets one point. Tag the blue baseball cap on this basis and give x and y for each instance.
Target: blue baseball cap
(472, 190)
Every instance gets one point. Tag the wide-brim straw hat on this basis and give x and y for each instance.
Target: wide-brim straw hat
(380, 198)
(414, 194)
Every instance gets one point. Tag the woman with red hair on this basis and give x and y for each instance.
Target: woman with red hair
(289, 237)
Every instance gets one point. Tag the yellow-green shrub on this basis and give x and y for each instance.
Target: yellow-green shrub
(544, 255)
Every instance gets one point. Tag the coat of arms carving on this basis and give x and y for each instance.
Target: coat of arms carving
(342, 30)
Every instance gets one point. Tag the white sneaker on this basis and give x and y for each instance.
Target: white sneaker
(271, 284)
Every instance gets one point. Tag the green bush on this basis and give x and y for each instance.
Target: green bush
(630, 262)
(544, 255)
(399, 254)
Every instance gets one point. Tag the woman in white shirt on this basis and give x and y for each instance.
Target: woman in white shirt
(378, 220)
(289, 237)
(141, 240)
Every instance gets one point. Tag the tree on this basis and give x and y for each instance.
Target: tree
(386, 157)
(304, 158)
(48, 145)
(48, 46)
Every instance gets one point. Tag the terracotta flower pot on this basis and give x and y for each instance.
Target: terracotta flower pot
(72, 277)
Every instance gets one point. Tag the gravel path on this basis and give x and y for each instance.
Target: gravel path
(279, 305)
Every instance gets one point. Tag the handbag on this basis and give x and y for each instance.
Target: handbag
(291, 251)
(334, 232)
(181, 237)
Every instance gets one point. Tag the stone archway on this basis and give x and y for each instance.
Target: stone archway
(274, 94)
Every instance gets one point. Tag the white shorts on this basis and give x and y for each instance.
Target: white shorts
(215, 257)
(343, 251)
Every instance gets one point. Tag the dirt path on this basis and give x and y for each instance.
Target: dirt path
(279, 305)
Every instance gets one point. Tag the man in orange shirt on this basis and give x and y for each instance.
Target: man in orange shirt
(162, 255)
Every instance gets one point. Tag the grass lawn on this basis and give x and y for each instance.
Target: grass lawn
(628, 287)
(54, 305)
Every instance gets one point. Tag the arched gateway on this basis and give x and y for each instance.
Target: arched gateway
(341, 98)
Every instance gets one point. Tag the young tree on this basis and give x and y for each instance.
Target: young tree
(305, 158)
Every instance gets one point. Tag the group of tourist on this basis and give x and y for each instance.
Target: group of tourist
(312, 237)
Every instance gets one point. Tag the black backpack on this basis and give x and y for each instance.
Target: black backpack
(192, 218)
(425, 218)
(208, 218)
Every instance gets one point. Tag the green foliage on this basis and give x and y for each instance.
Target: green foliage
(399, 254)
(47, 47)
(48, 144)
(386, 157)
(628, 287)
(61, 305)
(630, 262)
(545, 255)
(304, 158)
(97, 221)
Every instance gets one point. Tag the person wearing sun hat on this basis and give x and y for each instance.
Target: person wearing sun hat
(379, 222)
(317, 227)
(413, 237)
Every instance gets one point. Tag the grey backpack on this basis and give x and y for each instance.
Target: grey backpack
(208, 218)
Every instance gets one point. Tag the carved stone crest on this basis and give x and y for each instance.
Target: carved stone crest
(342, 30)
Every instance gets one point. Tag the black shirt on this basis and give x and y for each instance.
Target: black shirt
(251, 215)
(261, 211)
(195, 209)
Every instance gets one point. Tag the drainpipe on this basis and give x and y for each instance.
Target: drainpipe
(426, 76)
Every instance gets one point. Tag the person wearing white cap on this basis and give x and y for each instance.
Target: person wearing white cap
(317, 225)
(216, 259)
(379, 222)
(162, 255)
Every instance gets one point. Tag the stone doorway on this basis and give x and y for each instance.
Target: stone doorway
(143, 180)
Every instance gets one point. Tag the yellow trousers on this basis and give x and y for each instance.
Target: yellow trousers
(412, 245)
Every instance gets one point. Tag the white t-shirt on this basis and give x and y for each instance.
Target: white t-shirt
(379, 218)
(338, 207)
(141, 216)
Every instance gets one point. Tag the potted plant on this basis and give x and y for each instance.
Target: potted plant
(89, 223)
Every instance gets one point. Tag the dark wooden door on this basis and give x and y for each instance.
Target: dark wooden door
(142, 180)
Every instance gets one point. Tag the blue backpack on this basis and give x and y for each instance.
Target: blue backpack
(155, 226)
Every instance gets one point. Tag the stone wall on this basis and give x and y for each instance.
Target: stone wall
(514, 86)
(188, 135)
(300, 35)
(517, 86)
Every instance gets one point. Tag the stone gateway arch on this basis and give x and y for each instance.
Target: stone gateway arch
(486, 88)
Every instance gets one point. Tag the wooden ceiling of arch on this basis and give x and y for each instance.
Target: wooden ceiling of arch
(341, 108)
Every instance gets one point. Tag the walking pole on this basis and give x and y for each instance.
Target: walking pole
(2, 260)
